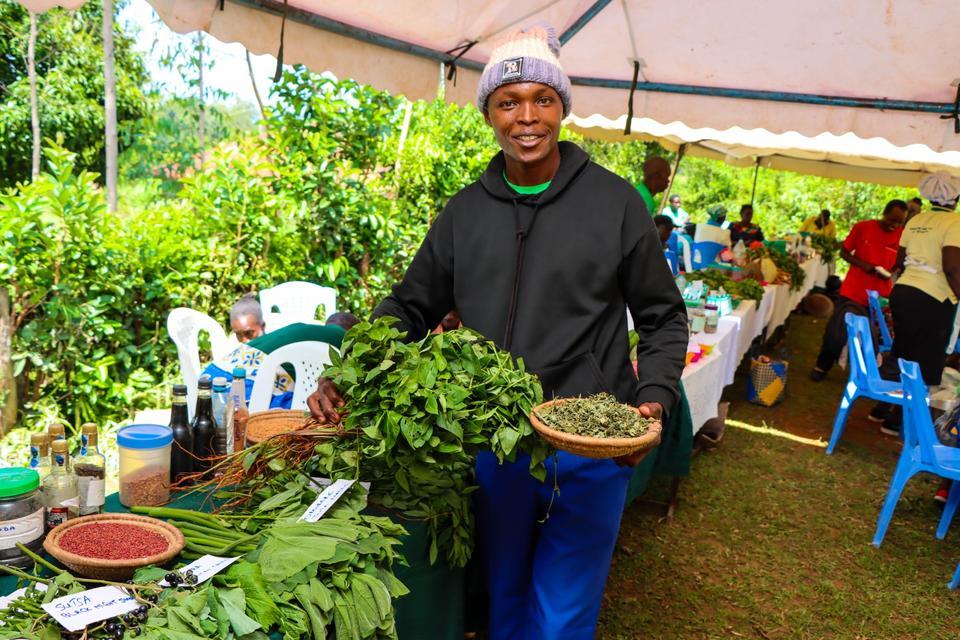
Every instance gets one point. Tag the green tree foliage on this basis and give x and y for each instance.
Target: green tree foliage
(323, 191)
(70, 85)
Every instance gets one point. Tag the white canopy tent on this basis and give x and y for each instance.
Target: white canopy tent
(846, 157)
(875, 69)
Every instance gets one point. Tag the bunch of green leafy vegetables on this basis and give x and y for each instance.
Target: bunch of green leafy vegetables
(422, 411)
(745, 289)
(825, 246)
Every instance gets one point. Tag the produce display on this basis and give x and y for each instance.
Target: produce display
(416, 416)
(746, 289)
(791, 271)
(597, 416)
(332, 578)
(828, 248)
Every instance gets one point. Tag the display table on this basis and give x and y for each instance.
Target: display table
(434, 608)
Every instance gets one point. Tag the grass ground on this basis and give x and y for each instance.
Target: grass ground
(772, 538)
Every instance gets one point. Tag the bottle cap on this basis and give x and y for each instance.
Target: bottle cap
(220, 383)
(56, 430)
(204, 382)
(41, 441)
(144, 436)
(15, 481)
(239, 372)
(88, 427)
(89, 433)
(59, 446)
(179, 389)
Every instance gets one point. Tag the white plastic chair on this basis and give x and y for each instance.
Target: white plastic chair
(184, 326)
(295, 301)
(308, 359)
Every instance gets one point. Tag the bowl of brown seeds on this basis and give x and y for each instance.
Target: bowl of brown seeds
(597, 426)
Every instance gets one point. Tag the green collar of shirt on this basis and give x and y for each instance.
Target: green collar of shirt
(648, 198)
(527, 191)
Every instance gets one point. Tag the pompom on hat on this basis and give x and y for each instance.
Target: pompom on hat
(526, 55)
(940, 188)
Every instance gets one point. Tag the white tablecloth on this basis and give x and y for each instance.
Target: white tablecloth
(703, 383)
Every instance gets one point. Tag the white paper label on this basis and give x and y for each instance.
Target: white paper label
(25, 530)
(94, 495)
(204, 568)
(76, 611)
(6, 600)
(325, 500)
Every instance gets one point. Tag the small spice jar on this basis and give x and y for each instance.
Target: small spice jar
(144, 464)
(21, 515)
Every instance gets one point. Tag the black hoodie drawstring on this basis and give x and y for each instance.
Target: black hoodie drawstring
(517, 268)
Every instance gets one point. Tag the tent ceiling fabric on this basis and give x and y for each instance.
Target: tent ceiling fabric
(39, 6)
(861, 49)
(846, 157)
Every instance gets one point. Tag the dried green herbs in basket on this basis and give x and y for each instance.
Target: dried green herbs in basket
(598, 416)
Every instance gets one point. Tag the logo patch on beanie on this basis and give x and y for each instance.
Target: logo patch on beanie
(512, 69)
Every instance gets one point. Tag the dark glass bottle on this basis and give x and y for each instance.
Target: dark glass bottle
(181, 453)
(204, 430)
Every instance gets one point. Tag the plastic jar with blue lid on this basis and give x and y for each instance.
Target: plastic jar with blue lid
(144, 464)
(21, 515)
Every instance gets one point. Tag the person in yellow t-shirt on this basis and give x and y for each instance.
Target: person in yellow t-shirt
(821, 224)
(924, 299)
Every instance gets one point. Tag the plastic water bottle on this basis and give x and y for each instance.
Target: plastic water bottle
(222, 417)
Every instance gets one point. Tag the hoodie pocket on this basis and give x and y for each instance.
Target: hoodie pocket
(578, 376)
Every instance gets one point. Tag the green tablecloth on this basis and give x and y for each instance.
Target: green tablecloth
(672, 457)
(434, 608)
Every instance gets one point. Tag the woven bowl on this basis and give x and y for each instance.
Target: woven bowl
(264, 424)
(116, 570)
(595, 447)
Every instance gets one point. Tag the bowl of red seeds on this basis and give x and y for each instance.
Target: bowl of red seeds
(111, 546)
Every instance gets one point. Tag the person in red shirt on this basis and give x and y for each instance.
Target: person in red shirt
(871, 249)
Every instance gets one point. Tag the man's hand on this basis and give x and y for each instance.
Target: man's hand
(652, 410)
(324, 401)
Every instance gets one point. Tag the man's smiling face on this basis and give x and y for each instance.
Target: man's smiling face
(525, 117)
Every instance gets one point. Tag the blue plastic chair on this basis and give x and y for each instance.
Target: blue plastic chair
(922, 452)
(705, 253)
(672, 243)
(864, 380)
(674, 260)
(878, 319)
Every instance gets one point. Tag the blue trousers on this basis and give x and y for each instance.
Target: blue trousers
(546, 580)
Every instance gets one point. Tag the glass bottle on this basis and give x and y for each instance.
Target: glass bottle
(40, 454)
(203, 427)
(60, 487)
(91, 470)
(181, 452)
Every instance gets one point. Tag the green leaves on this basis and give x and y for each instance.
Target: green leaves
(425, 410)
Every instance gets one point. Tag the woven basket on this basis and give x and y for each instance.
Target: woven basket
(595, 447)
(113, 569)
(264, 424)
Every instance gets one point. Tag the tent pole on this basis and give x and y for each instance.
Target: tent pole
(756, 173)
(673, 174)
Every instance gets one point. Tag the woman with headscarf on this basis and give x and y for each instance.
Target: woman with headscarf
(924, 299)
(717, 216)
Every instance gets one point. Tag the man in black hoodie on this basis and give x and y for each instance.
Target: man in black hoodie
(542, 255)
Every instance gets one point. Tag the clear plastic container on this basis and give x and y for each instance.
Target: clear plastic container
(21, 515)
(144, 464)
